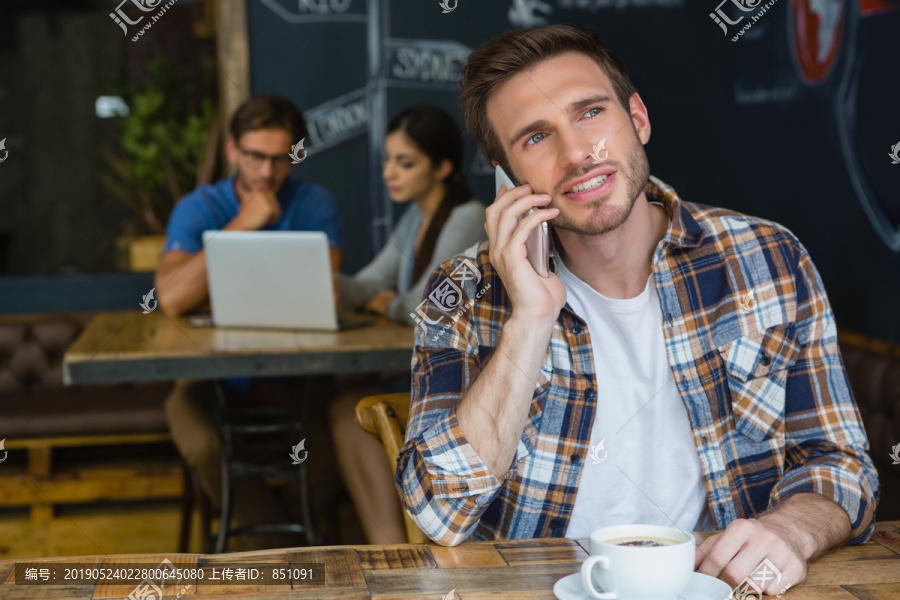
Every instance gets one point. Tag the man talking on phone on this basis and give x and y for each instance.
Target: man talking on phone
(678, 366)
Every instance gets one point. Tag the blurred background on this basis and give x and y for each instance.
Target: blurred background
(104, 128)
(793, 122)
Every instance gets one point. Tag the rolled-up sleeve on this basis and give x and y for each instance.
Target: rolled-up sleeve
(828, 452)
(443, 483)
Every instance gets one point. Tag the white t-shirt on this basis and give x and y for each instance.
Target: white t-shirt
(648, 470)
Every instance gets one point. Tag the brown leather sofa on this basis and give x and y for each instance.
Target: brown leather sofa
(74, 450)
(873, 368)
(35, 403)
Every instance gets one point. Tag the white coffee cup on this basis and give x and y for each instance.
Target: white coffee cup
(638, 572)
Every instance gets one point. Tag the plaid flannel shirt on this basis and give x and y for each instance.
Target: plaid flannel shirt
(752, 344)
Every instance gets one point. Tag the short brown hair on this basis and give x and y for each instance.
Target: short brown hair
(268, 112)
(511, 52)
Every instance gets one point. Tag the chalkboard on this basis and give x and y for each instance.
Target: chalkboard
(783, 109)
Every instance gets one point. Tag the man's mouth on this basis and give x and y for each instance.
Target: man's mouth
(589, 184)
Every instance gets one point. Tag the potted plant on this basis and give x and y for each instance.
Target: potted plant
(168, 147)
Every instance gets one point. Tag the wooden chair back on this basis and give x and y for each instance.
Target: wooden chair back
(385, 417)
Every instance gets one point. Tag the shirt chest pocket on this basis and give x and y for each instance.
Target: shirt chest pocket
(757, 369)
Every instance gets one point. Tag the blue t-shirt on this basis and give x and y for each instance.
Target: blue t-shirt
(304, 207)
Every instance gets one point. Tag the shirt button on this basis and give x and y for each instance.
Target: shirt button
(555, 523)
(577, 329)
(704, 439)
(588, 394)
(766, 360)
(575, 458)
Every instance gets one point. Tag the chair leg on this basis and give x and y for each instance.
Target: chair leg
(226, 460)
(305, 505)
(205, 518)
(226, 436)
(225, 513)
(187, 508)
(312, 537)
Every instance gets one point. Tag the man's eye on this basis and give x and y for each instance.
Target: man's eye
(593, 112)
(539, 137)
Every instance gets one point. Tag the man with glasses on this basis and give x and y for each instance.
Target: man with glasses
(260, 196)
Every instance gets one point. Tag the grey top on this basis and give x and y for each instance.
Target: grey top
(392, 267)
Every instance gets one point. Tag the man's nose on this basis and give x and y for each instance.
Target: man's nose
(575, 146)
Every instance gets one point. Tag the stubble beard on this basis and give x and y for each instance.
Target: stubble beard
(636, 173)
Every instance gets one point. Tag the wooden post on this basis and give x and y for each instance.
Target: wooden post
(233, 49)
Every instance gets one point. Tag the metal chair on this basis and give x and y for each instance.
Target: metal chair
(385, 416)
(260, 421)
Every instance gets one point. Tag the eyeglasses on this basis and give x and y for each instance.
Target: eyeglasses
(255, 160)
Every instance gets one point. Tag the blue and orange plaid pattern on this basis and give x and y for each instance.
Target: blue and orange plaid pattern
(752, 344)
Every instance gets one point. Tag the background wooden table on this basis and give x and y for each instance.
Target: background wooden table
(127, 347)
(475, 570)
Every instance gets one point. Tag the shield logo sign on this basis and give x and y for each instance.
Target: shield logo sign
(817, 29)
(846, 41)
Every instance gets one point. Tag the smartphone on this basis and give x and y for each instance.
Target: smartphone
(537, 246)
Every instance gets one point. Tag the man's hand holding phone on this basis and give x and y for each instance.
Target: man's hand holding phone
(508, 226)
(493, 411)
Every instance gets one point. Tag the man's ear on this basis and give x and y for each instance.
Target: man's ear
(231, 150)
(639, 117)
(494, 164)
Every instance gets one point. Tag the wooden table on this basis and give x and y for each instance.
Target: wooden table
(131, 346)
(512, 569)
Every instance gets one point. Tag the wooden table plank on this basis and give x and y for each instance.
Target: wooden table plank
(875, 591)
(397, 556)
(887, 535)
(817, 592)
(861, 552)
(467, 581)
(475, 570)
(480, 554)
(6, 570)
(213, 583)
(861, 572)
(108, 590)
(130, 346)
(538, 552)
(49, 591)
(342, 568)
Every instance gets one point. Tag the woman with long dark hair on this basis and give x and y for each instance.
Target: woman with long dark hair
(423, 168)
(423, 156)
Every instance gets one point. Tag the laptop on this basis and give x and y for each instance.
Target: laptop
(272, 279)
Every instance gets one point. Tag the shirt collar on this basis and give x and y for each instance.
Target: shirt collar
(684, 231)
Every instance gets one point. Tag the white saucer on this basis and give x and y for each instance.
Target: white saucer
(701, 587)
